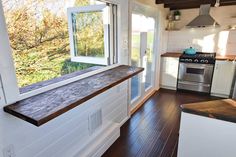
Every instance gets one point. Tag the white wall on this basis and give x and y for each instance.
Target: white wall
(66, 134)
(218, 40)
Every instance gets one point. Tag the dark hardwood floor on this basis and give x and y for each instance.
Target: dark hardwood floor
(152, 130)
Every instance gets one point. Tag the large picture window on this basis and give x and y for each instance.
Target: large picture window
(53, 39)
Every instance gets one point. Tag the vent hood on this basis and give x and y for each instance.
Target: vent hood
(204, 18)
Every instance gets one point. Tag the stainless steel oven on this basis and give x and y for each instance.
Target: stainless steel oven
(195, 77)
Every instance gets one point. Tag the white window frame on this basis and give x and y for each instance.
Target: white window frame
(7, 68)
(106, 9)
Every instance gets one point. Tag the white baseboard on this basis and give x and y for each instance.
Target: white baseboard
(99, 144)
(123, 121)
(168, 87)
(114, 135)
(220, 95)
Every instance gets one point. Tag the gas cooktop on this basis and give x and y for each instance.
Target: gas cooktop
(199, 57)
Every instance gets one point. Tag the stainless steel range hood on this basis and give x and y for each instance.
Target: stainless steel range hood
(204, 18)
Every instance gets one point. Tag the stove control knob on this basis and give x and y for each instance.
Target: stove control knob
(190, 60)
(202, 60)
(196, 60)
(206, 61)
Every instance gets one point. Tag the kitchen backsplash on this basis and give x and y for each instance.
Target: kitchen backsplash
(220, 40)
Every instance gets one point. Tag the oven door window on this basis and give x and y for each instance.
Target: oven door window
(195, 71)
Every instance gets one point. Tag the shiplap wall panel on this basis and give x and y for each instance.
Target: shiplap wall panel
(50, 136)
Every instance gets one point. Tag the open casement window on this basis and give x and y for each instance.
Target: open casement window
(92, 31)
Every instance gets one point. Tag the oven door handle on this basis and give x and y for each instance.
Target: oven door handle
(196, 66)
(193, 83)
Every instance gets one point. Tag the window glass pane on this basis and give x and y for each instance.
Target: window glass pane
(135, 55)
(39, 38)
(149, 53)
(88, 32)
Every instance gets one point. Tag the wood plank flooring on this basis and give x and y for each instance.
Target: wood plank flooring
(152, 131)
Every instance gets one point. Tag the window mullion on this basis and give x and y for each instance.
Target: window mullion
(106, 23)
(7, 70)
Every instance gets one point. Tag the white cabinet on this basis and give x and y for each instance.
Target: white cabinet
(169, 72)
(222, 78)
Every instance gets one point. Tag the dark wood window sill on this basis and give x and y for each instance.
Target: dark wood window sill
(44, 107)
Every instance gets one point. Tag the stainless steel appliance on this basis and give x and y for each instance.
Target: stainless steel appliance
(196, 71)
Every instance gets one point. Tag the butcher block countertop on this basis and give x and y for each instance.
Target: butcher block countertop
(172, 54)
(224, 109)
(218, 57)
(42, 108)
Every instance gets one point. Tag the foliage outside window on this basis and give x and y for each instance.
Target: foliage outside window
(89, 29)
(38, 33)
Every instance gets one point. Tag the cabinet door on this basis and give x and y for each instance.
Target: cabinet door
(222, 78)
(169, 72)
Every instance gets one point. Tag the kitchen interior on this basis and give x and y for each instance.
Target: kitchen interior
(171, 95)
(207, 66)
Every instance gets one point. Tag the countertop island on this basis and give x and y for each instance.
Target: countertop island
(224, 109)
(208, 129)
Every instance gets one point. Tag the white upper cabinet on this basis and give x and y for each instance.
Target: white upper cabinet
(169, 72)
(222, 78)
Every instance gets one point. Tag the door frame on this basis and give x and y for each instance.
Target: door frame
(144, 94)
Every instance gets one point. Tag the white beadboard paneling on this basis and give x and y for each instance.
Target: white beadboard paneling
(74, 122)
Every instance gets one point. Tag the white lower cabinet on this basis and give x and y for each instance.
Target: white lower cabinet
(169, 72)
(223, 78)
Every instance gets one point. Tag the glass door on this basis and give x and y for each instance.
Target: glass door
(142, 53)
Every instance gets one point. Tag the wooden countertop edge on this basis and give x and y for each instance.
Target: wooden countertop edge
(204, 114)
(218, 116)
(172, 54)
(68, 107)
(178, 54)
